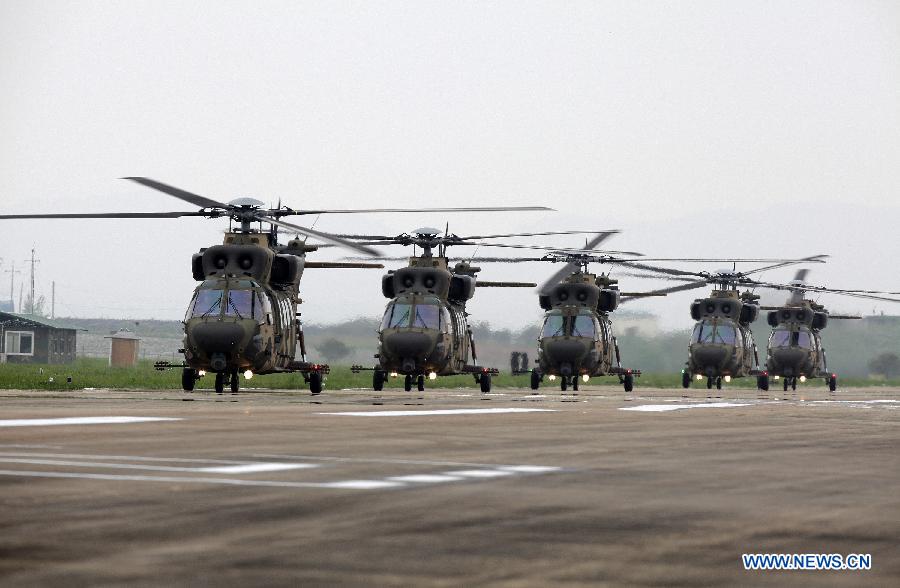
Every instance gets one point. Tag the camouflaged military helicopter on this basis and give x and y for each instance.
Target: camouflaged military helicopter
(576, 341)
(425, 330)
(796, 351)
(243, 315)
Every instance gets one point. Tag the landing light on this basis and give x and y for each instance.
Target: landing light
(585, 378)
(802, 378)
(248, 374)
(551, 377)
(393, 374)
(777, 378)
(727, 378)
(432, 376)
(201, 373)
(698, 377)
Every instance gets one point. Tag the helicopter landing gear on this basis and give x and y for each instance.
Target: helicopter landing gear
(188, 378)
(575, 383)
(235, 382)
(719, 383)
(407, 382)
(315, 383)
(220, 382)
(709, 383)
(378, 379)
(628, 382)
(793, 383)
(535, 379)
(685, 379)
(420, 383)
(832, 383)
(762, 382)
(563, 383)
(485, 381)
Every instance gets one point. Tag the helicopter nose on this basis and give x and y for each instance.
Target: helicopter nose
(788, 357)
(217, 337)
(406, 344)
(710, 356)
(566, 351)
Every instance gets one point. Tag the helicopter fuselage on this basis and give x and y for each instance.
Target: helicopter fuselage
(576, 341)
(795, 347)
(722, 344)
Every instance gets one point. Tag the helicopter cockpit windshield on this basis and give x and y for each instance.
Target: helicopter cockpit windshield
(557, 325)
(788, 338)
(422, 314)
(714, 332)
(554, 325)
(241, 299)
(582, 325)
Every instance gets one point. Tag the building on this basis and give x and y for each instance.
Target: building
(124, 348)
(34, 339)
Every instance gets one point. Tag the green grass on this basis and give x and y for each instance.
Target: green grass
(96, 373)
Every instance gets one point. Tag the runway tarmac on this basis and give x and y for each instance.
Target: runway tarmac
(446, 487)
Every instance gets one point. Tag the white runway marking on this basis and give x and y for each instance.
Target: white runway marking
(671, 407)
(107, 420)
(426, 478)
(529, 469)
(251, 468)
(480, 473)
(453, 411)
(246, 468)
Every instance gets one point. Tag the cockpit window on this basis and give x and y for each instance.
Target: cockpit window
(206, 302)
(785, 338)
(397, 315)
(240, 304)
(554, 326)
(427, 316)
(582, 326)
(712, 332)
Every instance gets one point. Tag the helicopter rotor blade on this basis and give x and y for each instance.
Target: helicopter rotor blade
(823, 290)
(470, 237)
(341, 265)
(423, 210)
(572, 267)
(670, 290)
(326, 237)
(200, 201)
(786, 262)
(487, 284)
(107, 215)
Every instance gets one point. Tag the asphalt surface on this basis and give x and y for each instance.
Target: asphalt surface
(281, 488)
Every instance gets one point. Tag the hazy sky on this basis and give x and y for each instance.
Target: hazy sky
(699, 129)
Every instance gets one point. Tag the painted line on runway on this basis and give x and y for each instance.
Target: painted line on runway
(235, 469)
(102, 420)
(479, 473)
(426, 478)
(453, 411)
(427, 462)
(672, 407)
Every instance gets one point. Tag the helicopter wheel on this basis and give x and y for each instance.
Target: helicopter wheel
(685, 379)
(485, 382)
(420, 383)
(629, 382)
(315, 383)
(235, 382)
(188, 378)
(563, 383)
(220, 383)
(762, 382)
(718, 383)
(407, 383)
(709, 383)
(378, 378)
(793, 383)
(575, 383)
(535, 379)
(832, 383)
(787, 382)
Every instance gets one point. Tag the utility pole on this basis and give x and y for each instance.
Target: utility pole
(33, 261)
(53, 300)
(12, 271)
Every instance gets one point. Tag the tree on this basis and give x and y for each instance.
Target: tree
(333, 350)
(887, 364)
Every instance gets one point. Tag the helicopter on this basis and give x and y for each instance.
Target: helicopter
(795, 350)
(243, 315)
(576, 341)
(425, 330)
